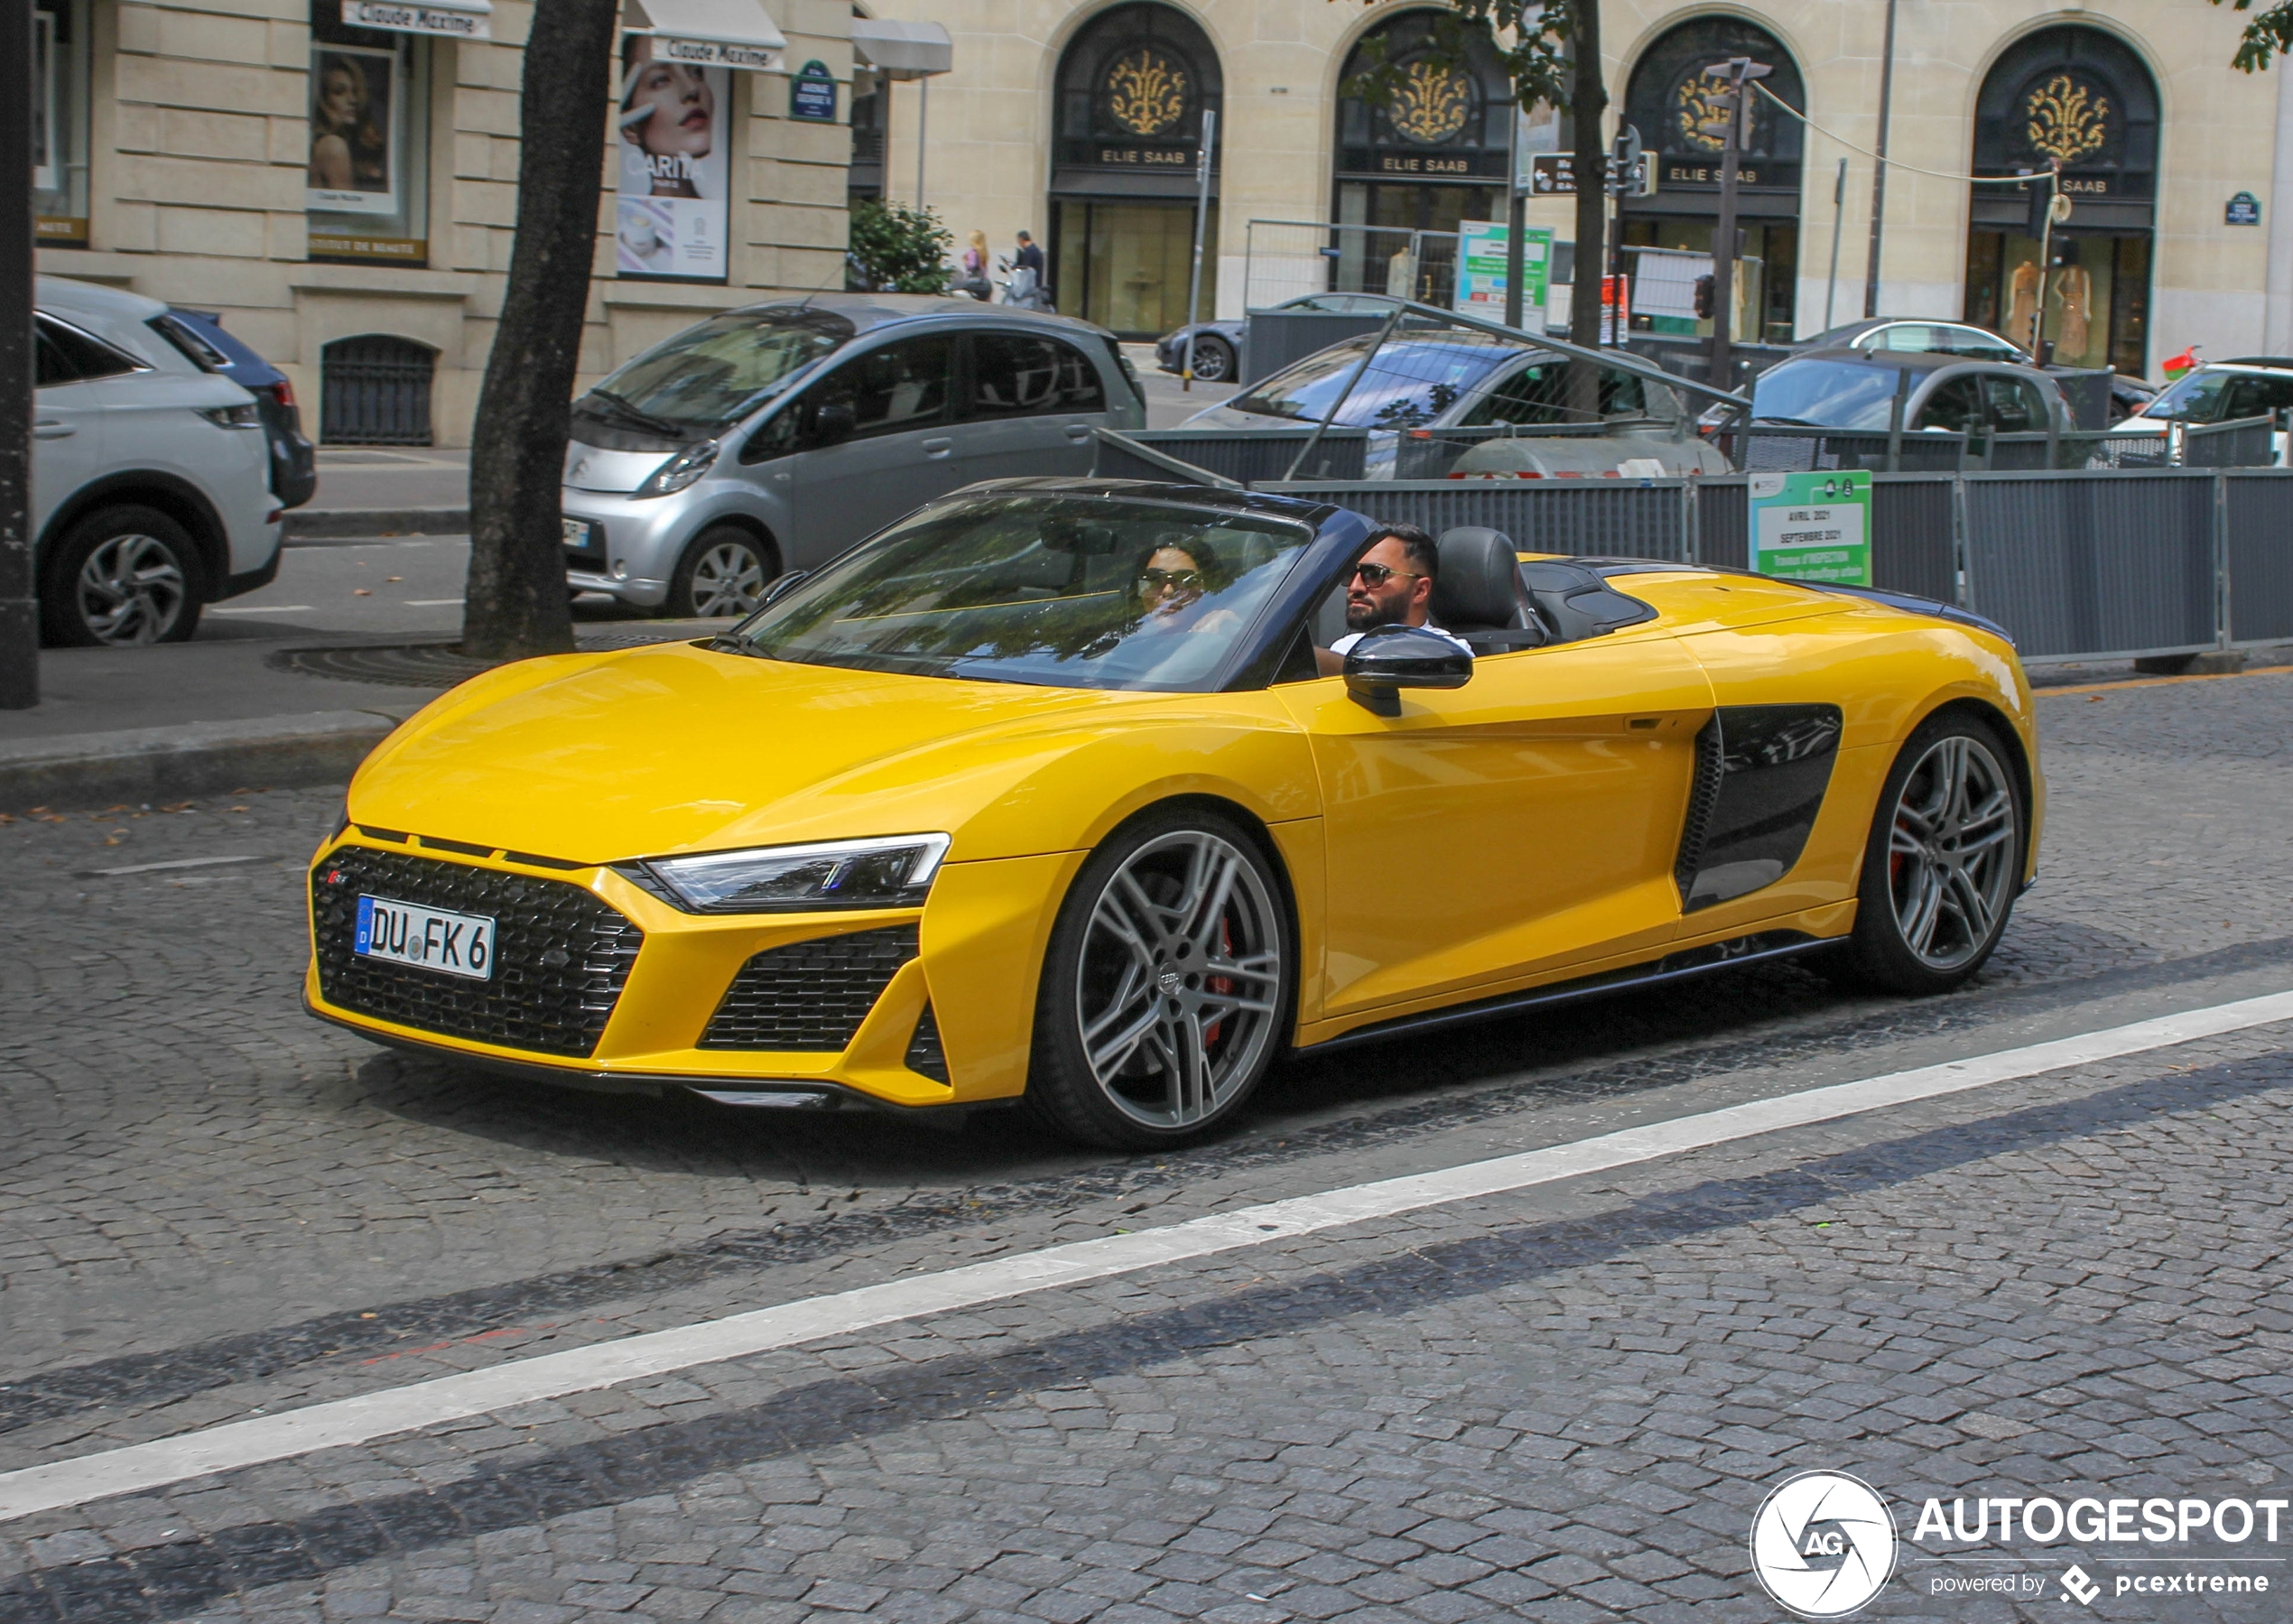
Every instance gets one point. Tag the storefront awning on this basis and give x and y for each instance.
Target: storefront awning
(707, 33)
(454, 19)
(902, 51)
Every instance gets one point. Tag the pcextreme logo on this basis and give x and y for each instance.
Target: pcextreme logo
(1823, 1544)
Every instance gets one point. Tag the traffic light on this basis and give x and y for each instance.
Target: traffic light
(1624, 162)
(2041, 199)
(1703, 297)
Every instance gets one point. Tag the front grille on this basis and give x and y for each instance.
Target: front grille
(808, 995)
(561, 956)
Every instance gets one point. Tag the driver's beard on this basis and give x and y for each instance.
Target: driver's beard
(1368, 617)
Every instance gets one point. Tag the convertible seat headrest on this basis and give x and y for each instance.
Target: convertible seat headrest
(1479, 580)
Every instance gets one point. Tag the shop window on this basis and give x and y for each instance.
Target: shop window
(367, 192)
(59, 123)
(375, 390)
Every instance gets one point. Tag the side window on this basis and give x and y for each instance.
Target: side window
(1904, 335)
(891, 390)
(1019, 375)
(1622, 396)
(74, 358)
(1956, 406)
(189, 343)
(2249, 396)
(1535, 394)
(1974, 343)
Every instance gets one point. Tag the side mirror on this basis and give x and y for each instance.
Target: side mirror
(1394, 657)
(832, 422)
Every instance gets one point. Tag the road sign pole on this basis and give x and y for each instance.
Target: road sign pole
(1515, 231)
(1201, 224)
(19, 611)
(1723, 241)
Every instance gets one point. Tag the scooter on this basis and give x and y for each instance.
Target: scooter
(1023, 288)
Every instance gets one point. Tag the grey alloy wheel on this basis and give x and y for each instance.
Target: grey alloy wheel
(1179, 994)
(728, 578)
(1952, 850)
(132, 590)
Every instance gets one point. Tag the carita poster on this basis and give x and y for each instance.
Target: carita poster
(1815, 526)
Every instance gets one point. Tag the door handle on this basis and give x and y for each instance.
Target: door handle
(938, 447)
(1078, 433)
(52, 431)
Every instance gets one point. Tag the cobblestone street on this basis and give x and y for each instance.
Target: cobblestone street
(1559, 1402)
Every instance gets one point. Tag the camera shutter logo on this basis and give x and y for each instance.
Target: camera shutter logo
(1823, 1544)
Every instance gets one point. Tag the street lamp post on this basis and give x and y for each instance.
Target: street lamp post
(1739, 72)
(1879, 172)
(1201, 224)
(19, 608)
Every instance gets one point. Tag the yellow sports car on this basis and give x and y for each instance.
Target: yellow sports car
(1056, 791)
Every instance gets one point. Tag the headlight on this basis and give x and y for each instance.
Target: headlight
(680, 470)
(892, 872)
(232, 417)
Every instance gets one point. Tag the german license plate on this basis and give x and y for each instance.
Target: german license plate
(577, 534)
(405, 933)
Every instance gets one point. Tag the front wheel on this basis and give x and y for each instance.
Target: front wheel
(1168, 987)
(724, 572)
(120, 577)
(1213, 360)
(1944, 862)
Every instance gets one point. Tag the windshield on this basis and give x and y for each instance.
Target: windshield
(1066, 592)
(2196, 398)
(1412, 382)
(709, 374)
(1828, 394)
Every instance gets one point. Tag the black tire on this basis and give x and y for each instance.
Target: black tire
(724, 572)
(1177, 881)
(1214, 359)
(1928, 912)
(121, 577)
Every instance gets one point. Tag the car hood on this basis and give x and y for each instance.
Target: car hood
(594, 758)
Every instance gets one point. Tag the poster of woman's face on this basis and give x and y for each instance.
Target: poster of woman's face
(354, 160)
(673, 122)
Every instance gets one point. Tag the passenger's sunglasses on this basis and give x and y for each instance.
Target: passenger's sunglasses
(1153, 579)
(1377, 575)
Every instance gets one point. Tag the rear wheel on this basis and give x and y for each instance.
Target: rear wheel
(1168, 987)
(724, 572)
(120, 577)
(1944, 862)
(1213, 360)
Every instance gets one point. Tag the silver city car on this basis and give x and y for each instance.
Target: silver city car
(773, 437)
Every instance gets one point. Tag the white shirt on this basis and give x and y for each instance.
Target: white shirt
(1350, 638)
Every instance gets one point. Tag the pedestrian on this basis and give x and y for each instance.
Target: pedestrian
(975, 268)
(1029, 258)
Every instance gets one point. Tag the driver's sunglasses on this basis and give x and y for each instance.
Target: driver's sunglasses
(1153, 579)
(1377, 575)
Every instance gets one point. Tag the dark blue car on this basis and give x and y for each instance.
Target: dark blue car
(201, 335)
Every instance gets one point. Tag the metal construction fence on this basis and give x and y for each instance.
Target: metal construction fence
(2079, 565)
(1283, 259)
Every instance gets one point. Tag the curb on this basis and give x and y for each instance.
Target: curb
(202, 758)
(337, 524)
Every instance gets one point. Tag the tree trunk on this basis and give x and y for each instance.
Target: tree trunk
(515, 601)
(1588, 105)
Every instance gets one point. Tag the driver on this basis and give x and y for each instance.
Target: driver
(1392, 585)
(1171, 584)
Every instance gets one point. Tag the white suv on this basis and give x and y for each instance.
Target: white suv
(150, 478)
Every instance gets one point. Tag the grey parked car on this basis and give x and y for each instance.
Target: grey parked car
(1855, 389)
(773, 437)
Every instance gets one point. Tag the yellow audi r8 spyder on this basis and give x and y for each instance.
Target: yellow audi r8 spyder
(1042, 793)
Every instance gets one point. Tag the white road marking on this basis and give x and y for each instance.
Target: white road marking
(181, 862)
(265, 608)
(360, 1420)
(430, 603)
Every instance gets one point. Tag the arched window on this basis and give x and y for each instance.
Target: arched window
(2082, 97)
(1132, 88)
(1413, 164)
(1673, 103)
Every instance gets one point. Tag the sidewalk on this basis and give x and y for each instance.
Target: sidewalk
(373, 490)
(247, 708)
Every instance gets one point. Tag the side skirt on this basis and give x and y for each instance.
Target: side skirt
(1674, 966)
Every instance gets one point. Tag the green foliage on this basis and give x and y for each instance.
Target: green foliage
(2270, 33)
(899, 250)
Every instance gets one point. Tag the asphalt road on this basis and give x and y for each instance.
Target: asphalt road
(1556, 1402)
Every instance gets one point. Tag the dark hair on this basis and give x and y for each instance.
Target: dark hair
(1424, 556)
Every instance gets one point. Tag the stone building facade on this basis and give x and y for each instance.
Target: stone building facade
(343, 193)
(1079, 123)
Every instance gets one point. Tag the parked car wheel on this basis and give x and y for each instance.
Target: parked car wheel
(121, 576)
(1944, 862)
(1214, 359)
(724, 572)
(1168, 987)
